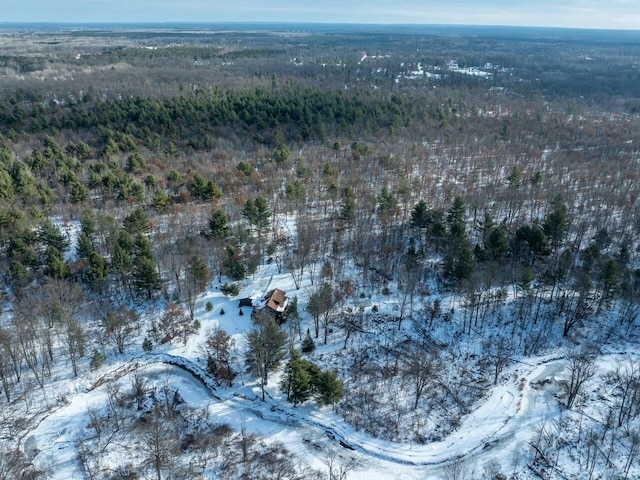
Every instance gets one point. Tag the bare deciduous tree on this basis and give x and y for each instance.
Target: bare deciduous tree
(217, 348)
(581, 366)
(75, 339)
(158, 441)
(627, 380)
(338, 465)
(321, 306)
(421, 364)
(119, 326)
(498, 351)
(14, 466)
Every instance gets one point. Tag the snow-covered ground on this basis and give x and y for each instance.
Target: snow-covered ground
(497, 430)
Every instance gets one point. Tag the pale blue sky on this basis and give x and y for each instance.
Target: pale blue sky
(617, 14)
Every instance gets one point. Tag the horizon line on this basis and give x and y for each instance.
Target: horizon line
(310, 23)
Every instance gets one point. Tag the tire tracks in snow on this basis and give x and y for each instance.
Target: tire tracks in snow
(439, 453)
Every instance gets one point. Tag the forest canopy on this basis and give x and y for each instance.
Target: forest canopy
(449, 210)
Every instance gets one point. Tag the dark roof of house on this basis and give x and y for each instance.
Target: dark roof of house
(246, 302)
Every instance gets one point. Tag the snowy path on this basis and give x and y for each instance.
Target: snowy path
(506, 419)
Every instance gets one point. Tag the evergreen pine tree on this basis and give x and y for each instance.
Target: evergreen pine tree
(98, 269)
(387, 203)
(219, 224)
(420, 216)
(145, 277)
(514, 177)
(265, 350)
(296, 382)
(147, 345)
(97, 359)
(257, 214)
(308, 345)
(55, 266)
(137, 223)
(496, 243)
(330, 389)
(348, 208)
(84, 248)
(556, 223)
(51, 236)
(459, 261)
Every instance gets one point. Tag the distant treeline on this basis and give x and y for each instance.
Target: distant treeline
(268, 116)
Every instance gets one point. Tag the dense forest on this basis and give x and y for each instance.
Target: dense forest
(447, 203)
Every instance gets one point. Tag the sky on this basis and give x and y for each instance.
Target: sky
(611, 14)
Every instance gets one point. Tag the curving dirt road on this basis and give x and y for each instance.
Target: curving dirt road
(502, 422)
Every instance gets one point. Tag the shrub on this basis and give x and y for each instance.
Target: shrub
(209, 306)
(308, 345)
(245, 168)
(147, 345)
(230, 289)
(97, 359)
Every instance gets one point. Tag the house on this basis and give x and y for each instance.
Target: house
(275, 303)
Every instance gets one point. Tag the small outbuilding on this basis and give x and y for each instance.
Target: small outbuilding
(245, 302)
